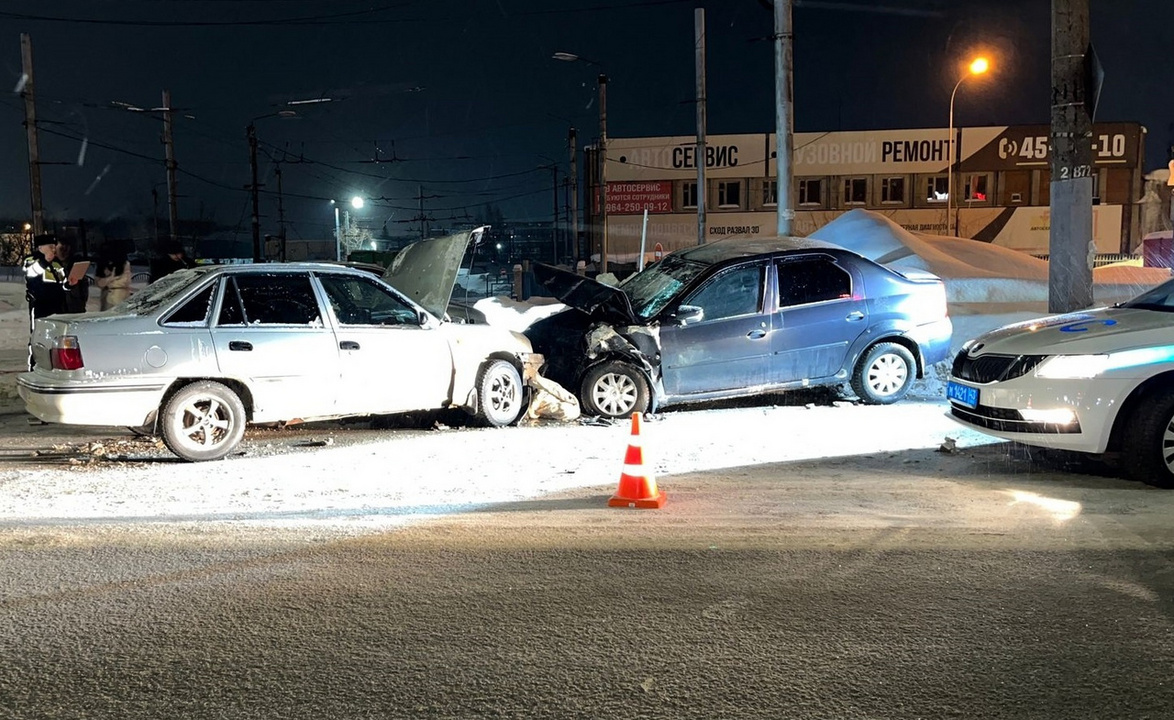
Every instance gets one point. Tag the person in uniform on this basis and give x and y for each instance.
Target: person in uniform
(44, 283)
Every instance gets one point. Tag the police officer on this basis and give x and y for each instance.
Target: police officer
(44, 282)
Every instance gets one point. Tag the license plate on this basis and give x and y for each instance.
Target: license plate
(962, 394)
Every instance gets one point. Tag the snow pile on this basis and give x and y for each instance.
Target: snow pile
(974, 271)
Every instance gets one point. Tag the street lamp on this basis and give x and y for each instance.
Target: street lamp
(357, 203)
(601, 153)
(978, 66)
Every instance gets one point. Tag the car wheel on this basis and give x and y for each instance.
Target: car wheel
(884, 375)
(203, 421)
(499, 394)
(1148, 447)
(614, 390)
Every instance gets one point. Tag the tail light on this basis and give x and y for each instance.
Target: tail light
(67, 355)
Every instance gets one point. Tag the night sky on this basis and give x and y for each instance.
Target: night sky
(461, 102)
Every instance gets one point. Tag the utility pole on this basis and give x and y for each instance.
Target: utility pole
(574, 195)
(699, 47)
(784, 114)
(280, 211)
(602, 157)
(251, 132)
(30, 123)
(554, 228)
(1070, 243)
(169, 150)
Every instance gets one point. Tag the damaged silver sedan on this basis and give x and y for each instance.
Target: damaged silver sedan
(742, 317)
(198, 354)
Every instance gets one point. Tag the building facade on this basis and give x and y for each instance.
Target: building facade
(1001, 186)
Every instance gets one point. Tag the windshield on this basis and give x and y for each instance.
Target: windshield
(160, 292)
(651, 289)
(1160, 298)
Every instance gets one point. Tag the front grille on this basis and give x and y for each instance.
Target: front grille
(993, 368)
(1006, 420)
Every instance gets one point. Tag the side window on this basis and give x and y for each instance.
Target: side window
(194, 312)
(363, 301)
(263, 299)
(730, 293)
(811, 281)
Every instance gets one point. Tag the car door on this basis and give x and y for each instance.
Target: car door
(819, 316)
(269, 333)
(726, 347)
(391, 359)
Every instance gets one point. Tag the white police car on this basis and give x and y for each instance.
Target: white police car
(1100, 381)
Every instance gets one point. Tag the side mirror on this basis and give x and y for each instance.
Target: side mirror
(686, 314)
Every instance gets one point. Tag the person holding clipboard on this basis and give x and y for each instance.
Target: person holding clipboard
(77, 283)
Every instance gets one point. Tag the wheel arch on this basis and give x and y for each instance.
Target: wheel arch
(902, 340)
(238, 387)
(655, 389)
(1163, 382)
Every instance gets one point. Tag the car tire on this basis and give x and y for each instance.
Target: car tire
(203, 421)
(1148, 447)
(500, 399)
(614, 390)
(884, 374)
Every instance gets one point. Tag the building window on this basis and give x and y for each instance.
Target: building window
(689, 195)
(770, 192)
(893, 190)
(937, 188)
(729, 194)
(811, 191)
(976, 188)
(855, 191)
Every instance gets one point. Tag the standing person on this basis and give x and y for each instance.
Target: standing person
(77, 293)
(44, 283)
(113, 277)
(174, 258)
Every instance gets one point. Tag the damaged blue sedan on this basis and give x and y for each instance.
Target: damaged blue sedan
(742, 317)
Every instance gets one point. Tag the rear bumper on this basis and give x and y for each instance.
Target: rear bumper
(934, 340)
(74, 403)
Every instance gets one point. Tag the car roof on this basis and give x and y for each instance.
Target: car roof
(278, 267)
(736, 248)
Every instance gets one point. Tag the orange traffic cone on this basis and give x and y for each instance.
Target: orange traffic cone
(637, 486)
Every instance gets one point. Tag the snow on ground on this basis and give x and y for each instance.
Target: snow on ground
(412, 476)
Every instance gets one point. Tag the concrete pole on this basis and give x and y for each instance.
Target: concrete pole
(1070, 243)
(699, 44)
(169, 150)
(603, 247)
(30, 123)
(784, 115)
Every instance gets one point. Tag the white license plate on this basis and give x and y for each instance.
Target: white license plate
(962, 394)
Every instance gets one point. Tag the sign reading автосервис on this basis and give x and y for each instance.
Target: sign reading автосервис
(675, 158)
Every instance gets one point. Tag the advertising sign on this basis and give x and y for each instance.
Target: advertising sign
(867, 153)
(633, 198)
(1026, 147)
(675, 158)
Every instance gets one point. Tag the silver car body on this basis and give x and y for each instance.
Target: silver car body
(318, 365)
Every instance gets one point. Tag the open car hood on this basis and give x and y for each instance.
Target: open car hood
(598, 300)
(426, 271)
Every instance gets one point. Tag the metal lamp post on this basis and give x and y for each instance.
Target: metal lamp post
(977, 67)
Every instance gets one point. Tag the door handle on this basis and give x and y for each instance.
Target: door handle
(240, 345)
(756, 334)
(855, 315)
(349, 345)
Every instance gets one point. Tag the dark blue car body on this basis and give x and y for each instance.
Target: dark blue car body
(742, 317)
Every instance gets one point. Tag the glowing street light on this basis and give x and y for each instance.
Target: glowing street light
(978, 66)
(357, 203)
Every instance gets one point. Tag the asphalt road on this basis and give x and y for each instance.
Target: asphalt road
(985, 583)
